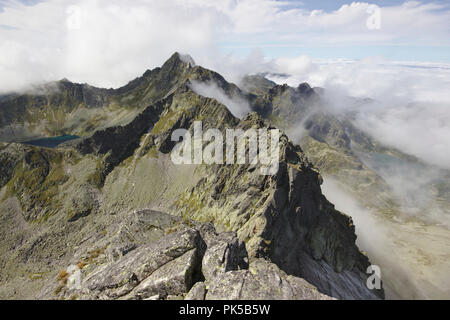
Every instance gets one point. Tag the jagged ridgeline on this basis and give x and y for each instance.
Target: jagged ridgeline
(112, 208)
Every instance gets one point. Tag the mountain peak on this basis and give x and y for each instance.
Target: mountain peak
(178, 58)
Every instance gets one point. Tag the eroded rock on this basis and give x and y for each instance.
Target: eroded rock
(118, 279)
(194, 263)
(262, 281)
(225, 252)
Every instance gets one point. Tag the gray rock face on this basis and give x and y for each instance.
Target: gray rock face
(197, 292)
(262, 281)
(120, 278)
(174, 278)
(224, 253)
(194, 263)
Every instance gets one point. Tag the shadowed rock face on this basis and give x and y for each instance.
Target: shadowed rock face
(93, 192)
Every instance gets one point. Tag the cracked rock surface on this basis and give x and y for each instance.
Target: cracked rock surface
(193, 262)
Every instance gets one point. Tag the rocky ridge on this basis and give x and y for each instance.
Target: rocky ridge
(77, 199)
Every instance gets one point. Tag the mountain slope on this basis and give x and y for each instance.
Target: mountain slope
(64, 107)
(76, 203)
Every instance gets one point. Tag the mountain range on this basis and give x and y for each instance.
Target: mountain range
(110, 206)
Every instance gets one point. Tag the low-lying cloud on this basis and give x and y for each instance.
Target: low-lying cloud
(238, 106)
(410, 107)
(412, 257)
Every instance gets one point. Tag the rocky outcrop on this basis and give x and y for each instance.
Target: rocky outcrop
(262, 281)
(283, 218)
(194, 262)
(225, 252)
(140, 272)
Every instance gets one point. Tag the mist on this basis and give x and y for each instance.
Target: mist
(107, 43)
(412, 256)
(402, 106)
(238, 106)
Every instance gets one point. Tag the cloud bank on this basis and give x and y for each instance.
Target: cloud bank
(412, 256)
(411, 111)
(107, 43)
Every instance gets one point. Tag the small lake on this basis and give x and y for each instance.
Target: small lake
(51, 142)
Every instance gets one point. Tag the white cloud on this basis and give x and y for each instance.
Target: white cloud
(104, 43)
(420, 129)
(372, 77)
(267, 22)
(116, 42)
(412, 108)
(237, 105)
